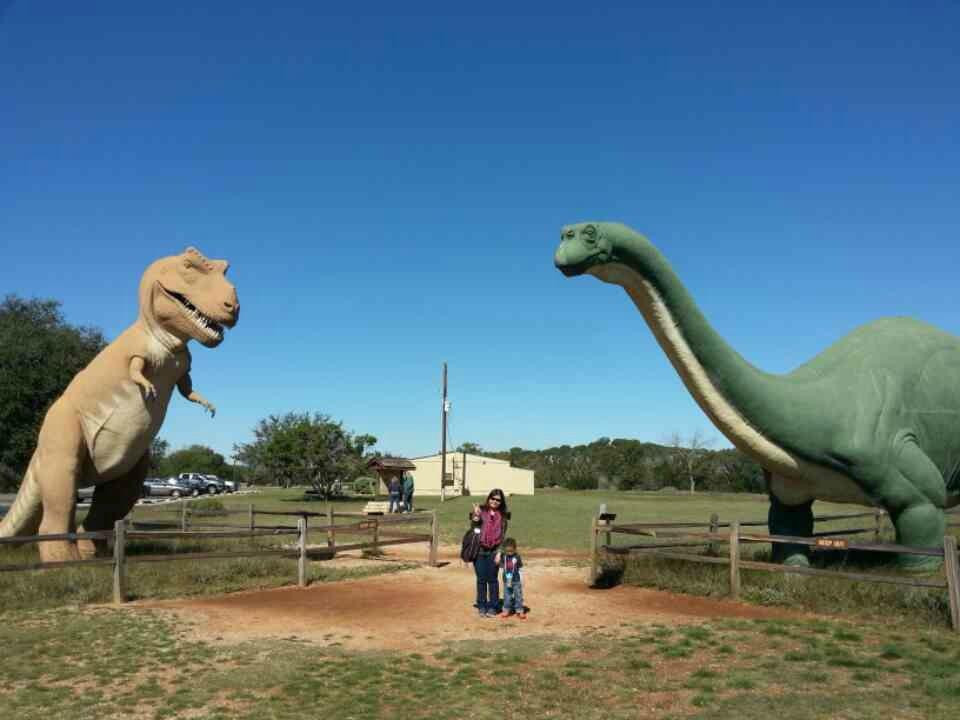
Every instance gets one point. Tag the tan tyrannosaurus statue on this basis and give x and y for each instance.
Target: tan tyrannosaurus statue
(100, 430)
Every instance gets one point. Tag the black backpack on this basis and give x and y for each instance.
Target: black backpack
(470, 545)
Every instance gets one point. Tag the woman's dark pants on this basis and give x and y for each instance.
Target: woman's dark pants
(488, 585)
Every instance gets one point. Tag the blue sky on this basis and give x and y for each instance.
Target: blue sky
(389, 181)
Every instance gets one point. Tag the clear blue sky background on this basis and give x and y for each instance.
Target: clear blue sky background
(389, 181)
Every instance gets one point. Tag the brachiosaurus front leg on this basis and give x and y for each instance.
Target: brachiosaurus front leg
(112, 501)
(185, 386)
(59, 458)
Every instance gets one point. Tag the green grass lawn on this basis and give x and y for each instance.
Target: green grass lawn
(891, 656)
(116, 664)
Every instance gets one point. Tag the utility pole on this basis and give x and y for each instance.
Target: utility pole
(443, 435)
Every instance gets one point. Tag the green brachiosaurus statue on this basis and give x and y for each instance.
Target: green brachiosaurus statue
(874, 419)
(100, 430)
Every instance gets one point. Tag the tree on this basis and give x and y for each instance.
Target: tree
(300, 446)
(690, 456)
(39, 355)
(470, 447)
(158, 456)
(195, 458)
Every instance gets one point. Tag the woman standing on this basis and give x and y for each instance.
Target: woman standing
(491, 519)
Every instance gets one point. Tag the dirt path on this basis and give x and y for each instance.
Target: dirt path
(426, 606)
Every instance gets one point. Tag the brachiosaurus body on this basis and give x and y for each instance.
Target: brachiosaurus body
(100, 430)
(874, 419)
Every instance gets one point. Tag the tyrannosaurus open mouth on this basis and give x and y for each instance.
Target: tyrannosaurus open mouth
(205, 324)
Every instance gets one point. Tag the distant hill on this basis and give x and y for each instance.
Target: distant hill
(626, 464)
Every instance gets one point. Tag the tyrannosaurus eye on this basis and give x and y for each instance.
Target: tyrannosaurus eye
(589, 234)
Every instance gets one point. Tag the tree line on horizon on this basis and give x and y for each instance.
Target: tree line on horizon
(684, 463)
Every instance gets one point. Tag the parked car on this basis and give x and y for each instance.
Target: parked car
(156, 487)
(85, 494)
(201, 482)
(227, 486)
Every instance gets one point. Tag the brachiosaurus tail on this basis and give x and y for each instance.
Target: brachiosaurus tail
(23, 517)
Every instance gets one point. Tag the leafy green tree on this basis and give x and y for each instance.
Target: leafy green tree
(195, 458)
(300, 447)
(158, 456)
(39, 355)
(470, 447)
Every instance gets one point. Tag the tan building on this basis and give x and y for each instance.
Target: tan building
(469, 474)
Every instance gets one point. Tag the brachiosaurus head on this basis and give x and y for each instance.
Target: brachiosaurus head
(585, 245)
(189, 297)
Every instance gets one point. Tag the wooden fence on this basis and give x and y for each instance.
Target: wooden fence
(683, 535)
(379, 529)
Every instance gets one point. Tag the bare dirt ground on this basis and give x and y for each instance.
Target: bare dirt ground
(425, 607)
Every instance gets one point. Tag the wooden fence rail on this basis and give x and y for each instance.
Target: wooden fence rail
(126, 530)
(678, 536)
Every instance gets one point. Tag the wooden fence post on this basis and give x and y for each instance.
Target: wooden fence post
(302, 547)
(735, 559)
(952, 568)
(375, 549)
(594, 551)
(183, 516)
(251, 519)
(714, 529)
(434, 538)
(119, 561)
(878, 524)
(330, 540)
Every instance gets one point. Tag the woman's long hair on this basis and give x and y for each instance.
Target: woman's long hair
(503, 502)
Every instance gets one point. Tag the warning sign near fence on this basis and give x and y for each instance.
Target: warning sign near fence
(832, 543)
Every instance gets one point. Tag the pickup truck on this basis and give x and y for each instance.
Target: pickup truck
(209, 484)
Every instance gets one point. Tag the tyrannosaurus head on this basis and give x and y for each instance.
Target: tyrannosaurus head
(188, 297)
(584, 245)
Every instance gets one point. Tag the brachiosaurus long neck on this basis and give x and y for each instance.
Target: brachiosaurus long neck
(744, 402)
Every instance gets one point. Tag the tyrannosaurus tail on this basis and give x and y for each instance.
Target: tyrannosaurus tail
(23, 517)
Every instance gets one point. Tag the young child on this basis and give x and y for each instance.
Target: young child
(511, 563)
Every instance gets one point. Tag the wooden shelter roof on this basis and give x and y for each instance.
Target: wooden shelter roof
(390, 463)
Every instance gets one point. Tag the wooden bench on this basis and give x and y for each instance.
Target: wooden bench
(381, 507)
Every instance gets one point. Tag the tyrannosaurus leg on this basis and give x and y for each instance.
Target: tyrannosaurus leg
(112, 501)
(58, 463)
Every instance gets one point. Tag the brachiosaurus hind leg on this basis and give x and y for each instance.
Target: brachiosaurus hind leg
(59, 459)
(112, 501)
(915, 497)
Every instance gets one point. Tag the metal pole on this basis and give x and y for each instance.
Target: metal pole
(443, 435)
